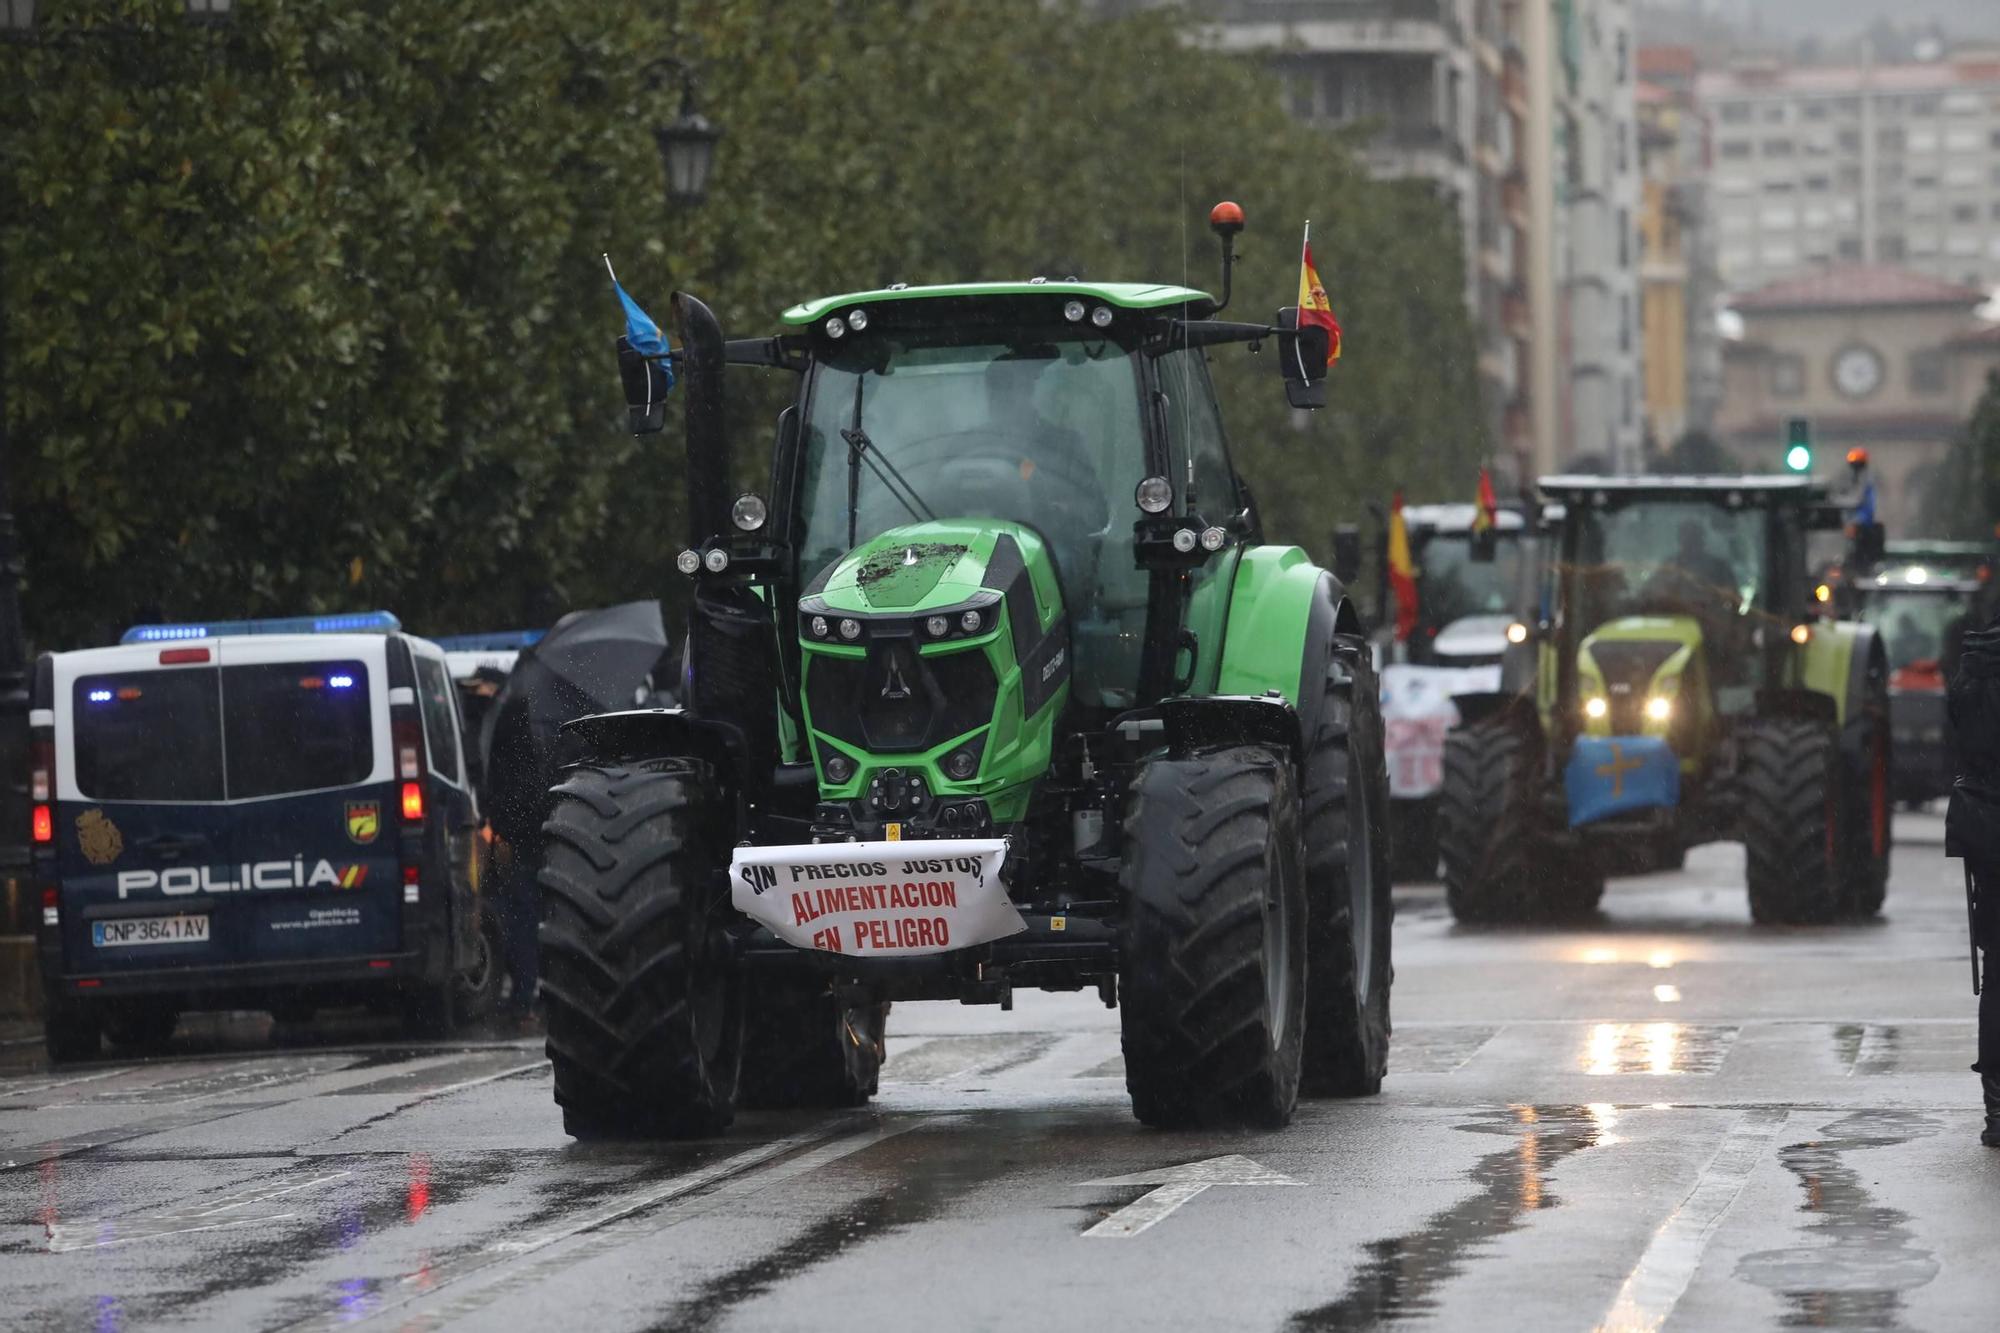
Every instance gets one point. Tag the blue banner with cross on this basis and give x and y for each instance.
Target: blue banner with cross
(1610, 775)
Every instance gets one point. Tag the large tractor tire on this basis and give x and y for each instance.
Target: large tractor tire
(805, 1047)
(1790, 801)
(1214, 974)
(1866, 769)
(1349, 908)
(1502, 861)
(645, 1018)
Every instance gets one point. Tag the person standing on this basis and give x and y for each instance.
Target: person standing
(1972, 833)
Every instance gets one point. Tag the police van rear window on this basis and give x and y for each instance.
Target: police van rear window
(251, 731)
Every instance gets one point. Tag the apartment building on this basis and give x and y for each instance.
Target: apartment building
(1680, 344)
(1892, 164)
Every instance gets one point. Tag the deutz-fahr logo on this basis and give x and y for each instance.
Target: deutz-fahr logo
(292, 874)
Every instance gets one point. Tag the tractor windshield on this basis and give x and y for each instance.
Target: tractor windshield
(1663, 556)
(1454, 585)
(1032, 425)
(1915, 624)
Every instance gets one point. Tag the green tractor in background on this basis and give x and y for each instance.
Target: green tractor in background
(1678, 691)
(999, 685)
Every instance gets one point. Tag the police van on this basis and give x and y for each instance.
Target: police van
(254, 814)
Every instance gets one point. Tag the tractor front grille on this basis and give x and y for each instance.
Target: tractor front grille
(897, 700)
(1628, 667)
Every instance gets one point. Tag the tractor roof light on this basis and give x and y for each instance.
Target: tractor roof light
(749, 513)
(1154, 495)
(835, 326)
(1101, 317)
(1659, 708)
(1213, 538)
(1185, 539)
(1073, 311)
(717, 560)
(857, 320)
(1823, 593)
(1917, 574)
(688, 562)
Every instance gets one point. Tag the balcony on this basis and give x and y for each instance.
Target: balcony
(1351, 27)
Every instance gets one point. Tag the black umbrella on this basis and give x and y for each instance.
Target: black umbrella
(590, 662)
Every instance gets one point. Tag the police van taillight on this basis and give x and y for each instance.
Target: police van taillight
(408, 735)
(41, 789)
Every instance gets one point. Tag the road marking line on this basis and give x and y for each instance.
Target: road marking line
(1177, 1184)
(673, 1189)
(1657, 1282)
(63, 1237)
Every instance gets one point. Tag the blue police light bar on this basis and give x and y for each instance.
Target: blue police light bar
(355, 622)
(490, 641)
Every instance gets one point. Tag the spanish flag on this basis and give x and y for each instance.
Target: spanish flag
(1486, 509)
(1402, 570)
(1314, 308)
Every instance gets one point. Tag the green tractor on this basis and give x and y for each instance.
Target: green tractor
(956, 720)
(1679, 690)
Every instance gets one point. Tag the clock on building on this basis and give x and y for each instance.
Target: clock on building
(1857, 371)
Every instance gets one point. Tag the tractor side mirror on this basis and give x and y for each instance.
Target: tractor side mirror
(1347, 554)
(1302, 354)
(646, 387)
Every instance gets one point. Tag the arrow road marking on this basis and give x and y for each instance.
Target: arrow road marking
(1177, 1184)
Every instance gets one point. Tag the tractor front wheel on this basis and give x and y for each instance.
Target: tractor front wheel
(1214, 974)
(1865, 813)
(1502, 862)
(1791, 825)
(645, 1018)
(1348, 902)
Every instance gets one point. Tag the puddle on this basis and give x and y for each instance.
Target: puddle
(1864, 1258)
(1654, 1048)
(1403, 1275)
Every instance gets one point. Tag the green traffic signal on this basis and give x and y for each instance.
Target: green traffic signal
(1798, 444)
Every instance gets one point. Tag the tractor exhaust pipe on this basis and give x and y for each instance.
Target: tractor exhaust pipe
(708, 462)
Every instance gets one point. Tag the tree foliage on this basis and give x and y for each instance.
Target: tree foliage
(1961, 496)
(308, 312)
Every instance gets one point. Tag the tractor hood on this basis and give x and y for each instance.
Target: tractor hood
(937, 566)
(1632, 660)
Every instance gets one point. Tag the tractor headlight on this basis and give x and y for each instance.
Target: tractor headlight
(961, 764)
(850, 630)
(937, 626)
(970, 622)
(1659, 708)
(819, 627)
(749, 512)
(1596, 707)
(717, 560)
(1517, 633)
(1154, 495)
(688, 562)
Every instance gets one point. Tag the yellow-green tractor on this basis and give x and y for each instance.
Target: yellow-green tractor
(1678, 688)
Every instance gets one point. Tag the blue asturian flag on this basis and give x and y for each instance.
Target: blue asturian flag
(642, 331)
(1611, 775)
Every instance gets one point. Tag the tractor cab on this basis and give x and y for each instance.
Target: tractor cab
(1471, 586)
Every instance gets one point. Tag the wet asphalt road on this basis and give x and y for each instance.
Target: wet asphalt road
(1666, 1119)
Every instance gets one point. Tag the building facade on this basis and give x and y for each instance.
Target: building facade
(1598, 237)
(1882, 358)
(1883, 164)
(1680, 346)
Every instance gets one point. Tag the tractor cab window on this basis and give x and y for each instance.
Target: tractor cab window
(1036, 426)
(1454, 585)
(1194, 431)
(1915, 626)
(1675, 557)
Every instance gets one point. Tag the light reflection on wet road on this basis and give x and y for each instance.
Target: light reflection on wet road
(1784, 1141)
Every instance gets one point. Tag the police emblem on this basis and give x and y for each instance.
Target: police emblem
(364, 820)
(98, 837)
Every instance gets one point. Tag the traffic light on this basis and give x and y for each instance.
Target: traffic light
(1798, 444)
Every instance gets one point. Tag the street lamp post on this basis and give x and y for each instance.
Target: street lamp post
(687, 144)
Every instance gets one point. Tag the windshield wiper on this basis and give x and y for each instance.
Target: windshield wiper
(861, 449)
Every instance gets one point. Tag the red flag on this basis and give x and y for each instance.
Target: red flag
(1402, 570)
(1314, 307)
(1486, 511)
